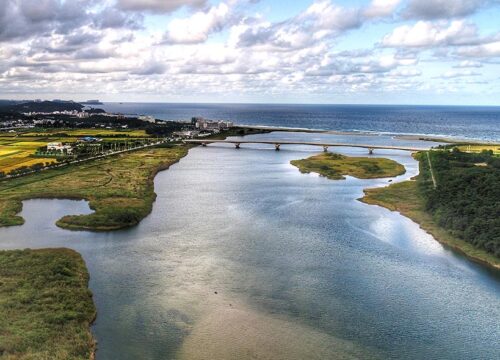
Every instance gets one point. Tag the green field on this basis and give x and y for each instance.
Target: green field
(17, 149)
(45, 306)
(118, 188)
(335, 166)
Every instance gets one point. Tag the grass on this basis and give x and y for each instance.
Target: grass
(45, 305)
(119, 189)
(335, 166)
(405, 198)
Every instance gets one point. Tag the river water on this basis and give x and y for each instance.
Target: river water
(244, 257)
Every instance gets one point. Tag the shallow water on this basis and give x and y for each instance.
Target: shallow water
(301, 269)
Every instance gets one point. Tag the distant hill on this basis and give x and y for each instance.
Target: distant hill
(43, 106)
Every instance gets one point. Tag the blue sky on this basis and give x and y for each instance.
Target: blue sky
(300, 51)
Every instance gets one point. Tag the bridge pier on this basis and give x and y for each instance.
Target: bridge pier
(325, 148)
(237, 145)
(277, 147)
(370, 151)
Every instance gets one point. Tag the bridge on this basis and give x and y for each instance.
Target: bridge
(277, 144)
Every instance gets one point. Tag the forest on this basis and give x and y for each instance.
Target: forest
(466, 199)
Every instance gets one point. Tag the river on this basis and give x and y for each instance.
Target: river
(243, 255)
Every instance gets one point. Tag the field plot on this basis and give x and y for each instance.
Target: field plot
(88, 132)
(17, 149)
(479, 148)
(15, 154)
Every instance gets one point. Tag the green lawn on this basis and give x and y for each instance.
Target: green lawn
(45, 305)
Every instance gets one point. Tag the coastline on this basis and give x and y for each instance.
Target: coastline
(120, 190)
(403, 197)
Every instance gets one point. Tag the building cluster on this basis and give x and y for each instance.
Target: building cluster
(200, 127)
(146, 118)
(59, 146)
(64, 112)
(203, 124)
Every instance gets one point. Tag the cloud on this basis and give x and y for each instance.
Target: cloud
(320, 21)
(468, 64)
(487, 50)
(128, 47)
(197, 27)
(113, 18)
(24, 19)
(458, 73)
(441, 9)
(429, 34)
(150, 68)
(158, 6)
(346, 64)
(381, 8)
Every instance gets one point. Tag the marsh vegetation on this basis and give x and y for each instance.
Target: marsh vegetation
(335, 166)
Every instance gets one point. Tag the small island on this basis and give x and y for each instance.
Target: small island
(46, 307)
(336, 166)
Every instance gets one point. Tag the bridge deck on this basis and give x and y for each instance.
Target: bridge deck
(288, 142)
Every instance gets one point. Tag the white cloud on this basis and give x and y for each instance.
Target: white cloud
(319, 22)
(381, 8)
(441, 9)
(160, 6)
(459, 73)
(486, 50)
(197, 28)
(468, 64)
(429, 34)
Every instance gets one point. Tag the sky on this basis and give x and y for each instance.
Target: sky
(249, 51)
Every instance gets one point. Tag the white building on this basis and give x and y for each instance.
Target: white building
(146, 118)
(58, 146)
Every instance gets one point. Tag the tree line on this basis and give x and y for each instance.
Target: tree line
(466, 200)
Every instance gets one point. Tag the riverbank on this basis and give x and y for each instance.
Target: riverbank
(405, 198)
(45, 306)
(119, 189)
(334, 166)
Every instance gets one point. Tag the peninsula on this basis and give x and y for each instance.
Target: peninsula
(455, 198)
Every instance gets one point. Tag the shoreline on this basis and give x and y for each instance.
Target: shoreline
(114, 209)
(391, 198)
(400, 136)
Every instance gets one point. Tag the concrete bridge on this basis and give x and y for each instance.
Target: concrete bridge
(277, 144)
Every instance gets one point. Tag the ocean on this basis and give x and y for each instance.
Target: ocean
(463, 122)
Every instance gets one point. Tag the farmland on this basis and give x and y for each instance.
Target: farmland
(478, 148)
(17, 149)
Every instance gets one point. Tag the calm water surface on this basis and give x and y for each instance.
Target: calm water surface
(472, 122)
(301, 269)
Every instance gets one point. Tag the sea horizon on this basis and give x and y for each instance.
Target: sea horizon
(478, 123)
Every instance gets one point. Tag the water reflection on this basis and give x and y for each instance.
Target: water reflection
(243, 254)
